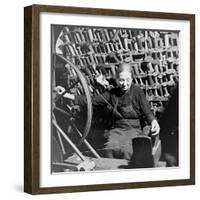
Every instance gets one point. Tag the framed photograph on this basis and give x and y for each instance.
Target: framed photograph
(109, 99)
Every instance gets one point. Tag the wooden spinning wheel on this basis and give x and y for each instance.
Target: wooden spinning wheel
(76, 84)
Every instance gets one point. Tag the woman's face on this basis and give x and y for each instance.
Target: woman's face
(124, 80)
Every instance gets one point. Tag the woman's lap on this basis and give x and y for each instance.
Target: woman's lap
(120, 142)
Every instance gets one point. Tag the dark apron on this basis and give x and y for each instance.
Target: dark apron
(119, 144)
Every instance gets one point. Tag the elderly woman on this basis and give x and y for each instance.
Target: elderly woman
(128, 104)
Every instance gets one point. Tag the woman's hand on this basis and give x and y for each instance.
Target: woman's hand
(102, 81)
(60, 90)
(155, 128)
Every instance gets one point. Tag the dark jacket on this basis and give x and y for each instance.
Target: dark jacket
(119, 102)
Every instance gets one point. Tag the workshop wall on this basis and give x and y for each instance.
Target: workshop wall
(153, 54)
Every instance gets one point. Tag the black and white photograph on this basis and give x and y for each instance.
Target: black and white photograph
(114, 98)
(109, 99)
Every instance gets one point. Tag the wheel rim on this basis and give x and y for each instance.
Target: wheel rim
(86, 90)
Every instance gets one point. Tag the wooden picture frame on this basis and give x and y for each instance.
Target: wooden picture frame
(32, 93)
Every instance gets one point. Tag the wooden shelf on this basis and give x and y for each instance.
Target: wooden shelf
(154, 55)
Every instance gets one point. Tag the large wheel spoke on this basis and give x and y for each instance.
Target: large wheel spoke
(72, 86)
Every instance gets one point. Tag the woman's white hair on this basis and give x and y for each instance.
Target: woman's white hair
(125, 67)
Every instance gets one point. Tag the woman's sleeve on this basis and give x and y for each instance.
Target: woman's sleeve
(99, 100)
(144, 106)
